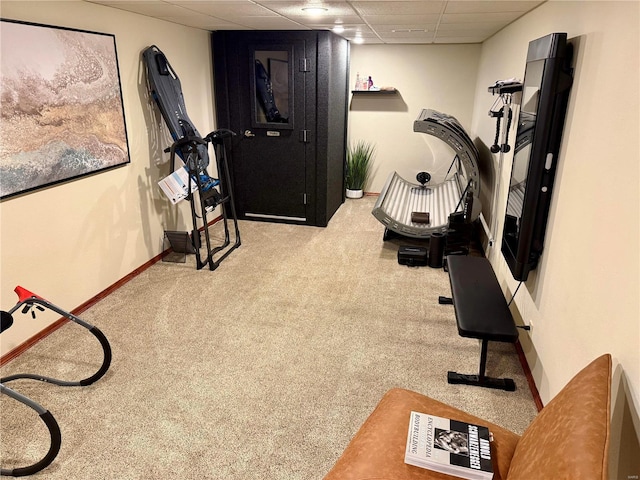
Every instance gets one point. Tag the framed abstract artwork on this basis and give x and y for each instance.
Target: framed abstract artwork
(62, 115)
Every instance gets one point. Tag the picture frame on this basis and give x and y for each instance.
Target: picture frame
(62, 109)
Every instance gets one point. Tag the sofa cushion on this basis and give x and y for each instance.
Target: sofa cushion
(569, 439)
(377, 450)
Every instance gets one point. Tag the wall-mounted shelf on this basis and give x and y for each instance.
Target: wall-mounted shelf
(374, 92)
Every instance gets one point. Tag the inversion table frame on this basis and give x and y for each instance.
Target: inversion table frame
(200, 209)
(400, 198)
(166, 90)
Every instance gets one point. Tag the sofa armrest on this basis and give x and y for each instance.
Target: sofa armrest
(570, 436)
(377, 449)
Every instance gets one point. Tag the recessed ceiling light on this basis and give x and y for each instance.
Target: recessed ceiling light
(358, 40)
(314, 10)
(338, 29)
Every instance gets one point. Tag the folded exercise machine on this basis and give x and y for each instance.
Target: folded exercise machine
(30, 302)
(400, 200)
(166, 90)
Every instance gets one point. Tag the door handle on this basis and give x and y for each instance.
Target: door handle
(249, 133)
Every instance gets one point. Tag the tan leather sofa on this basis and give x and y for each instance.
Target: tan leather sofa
(569, 439)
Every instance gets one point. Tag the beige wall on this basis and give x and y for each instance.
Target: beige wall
(583, 300)
(441, 77)
(72, 241)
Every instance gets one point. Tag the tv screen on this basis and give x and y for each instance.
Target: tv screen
(545, 92)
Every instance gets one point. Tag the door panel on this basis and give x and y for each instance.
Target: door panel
(267, 108)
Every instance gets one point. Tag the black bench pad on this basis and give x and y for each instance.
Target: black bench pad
(481, 312)
(481, 309)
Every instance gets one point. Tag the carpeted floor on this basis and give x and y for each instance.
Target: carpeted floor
(263, 369)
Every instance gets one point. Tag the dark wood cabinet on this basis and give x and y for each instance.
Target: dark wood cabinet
(284, 94)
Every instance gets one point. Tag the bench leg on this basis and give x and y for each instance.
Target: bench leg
(481, 380)
(445, 300)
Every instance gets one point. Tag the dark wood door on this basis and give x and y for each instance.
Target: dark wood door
(265, 99)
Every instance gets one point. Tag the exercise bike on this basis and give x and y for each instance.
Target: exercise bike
(30, 302)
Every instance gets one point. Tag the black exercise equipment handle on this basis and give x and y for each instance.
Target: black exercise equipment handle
(6, 320)
(106, 348)
(218, 136)
(185, 141)
(54, 431)
(505, 146)
(95, 331)
(495, 148)
(56, 441)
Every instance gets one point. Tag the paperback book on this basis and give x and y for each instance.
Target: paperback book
(449, 446)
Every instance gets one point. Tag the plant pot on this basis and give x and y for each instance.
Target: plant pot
(354, 193)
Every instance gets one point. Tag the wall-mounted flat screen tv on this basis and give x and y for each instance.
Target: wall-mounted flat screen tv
(545, 93)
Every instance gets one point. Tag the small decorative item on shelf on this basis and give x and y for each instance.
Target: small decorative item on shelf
(358, 168)
(363, 84)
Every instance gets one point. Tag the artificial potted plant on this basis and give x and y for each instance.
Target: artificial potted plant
(358, 167)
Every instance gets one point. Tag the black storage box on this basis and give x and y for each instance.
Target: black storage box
(412, 256)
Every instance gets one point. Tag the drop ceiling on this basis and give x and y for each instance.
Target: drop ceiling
(366, 21)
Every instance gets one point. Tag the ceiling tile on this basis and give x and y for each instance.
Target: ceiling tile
(349, 28)
(449, 39)
(505, 18)
(228, 9)
(327, 19)
(364, 33)
(468, 29)
(409, 37)
(466, 26)
(407, 41)
(397, 8)
(270, 23)
(367, 41)
(151, 8)
(204, 22)
(485, 6)
(452, 21)
(413, 28)
(401, 19)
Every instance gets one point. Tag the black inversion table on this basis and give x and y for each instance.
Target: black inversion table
(481, 312)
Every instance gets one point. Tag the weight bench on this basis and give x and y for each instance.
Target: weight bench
(481, 312)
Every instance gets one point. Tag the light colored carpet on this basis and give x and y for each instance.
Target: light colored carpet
(262, 369)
